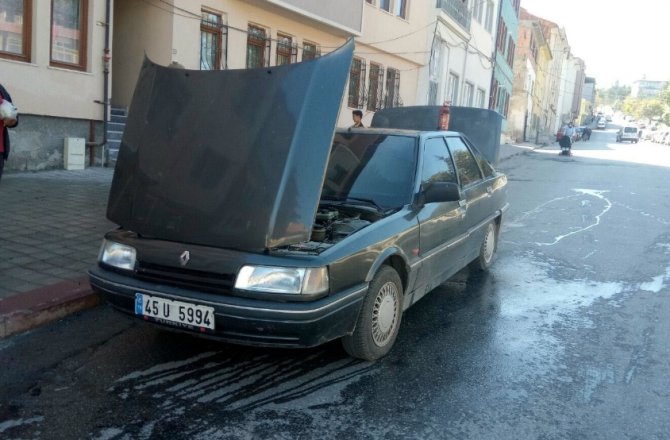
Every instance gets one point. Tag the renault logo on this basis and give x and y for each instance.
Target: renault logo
(184, 257)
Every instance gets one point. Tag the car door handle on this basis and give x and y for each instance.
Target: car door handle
(463, 203)
(489, 190)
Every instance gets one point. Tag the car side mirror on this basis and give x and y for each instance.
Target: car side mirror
(437, 192)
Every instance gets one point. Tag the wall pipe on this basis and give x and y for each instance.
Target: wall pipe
(106, 58)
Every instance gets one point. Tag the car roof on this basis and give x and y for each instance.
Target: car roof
(396, 131)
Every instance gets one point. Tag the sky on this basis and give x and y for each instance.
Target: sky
(618, 40)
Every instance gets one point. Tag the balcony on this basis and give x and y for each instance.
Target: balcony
(345, 16)
(457, 10)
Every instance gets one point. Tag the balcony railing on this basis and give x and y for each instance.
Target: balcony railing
(458, 10)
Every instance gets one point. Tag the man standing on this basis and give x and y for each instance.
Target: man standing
(4, 134)
(357, 115)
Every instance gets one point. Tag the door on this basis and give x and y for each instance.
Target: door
(476, 192)
(440, 224)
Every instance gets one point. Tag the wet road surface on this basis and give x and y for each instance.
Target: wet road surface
(565, 338)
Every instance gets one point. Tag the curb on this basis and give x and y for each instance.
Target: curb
(25, 311)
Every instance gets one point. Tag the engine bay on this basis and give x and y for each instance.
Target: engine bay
(334, 223)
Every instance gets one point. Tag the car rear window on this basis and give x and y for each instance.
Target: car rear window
(630, 130)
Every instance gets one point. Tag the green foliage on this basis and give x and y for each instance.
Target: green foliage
(644, 107)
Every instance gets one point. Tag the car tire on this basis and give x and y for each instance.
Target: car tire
(487, 250)
(379, 319)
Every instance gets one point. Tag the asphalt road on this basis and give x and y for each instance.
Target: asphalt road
(565, 338)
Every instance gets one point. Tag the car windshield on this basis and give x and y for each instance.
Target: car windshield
(374, 167)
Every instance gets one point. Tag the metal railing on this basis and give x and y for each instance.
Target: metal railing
(458, 10)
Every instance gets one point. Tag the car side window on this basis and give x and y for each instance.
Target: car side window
(466, 166)
(484, 164)
(437, 164)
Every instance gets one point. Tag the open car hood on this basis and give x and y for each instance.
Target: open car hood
(232, 158)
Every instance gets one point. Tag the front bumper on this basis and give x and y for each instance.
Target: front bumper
(244, 320)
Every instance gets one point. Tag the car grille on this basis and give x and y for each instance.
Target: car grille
(186, 278)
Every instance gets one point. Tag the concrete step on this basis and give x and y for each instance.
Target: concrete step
(116, 111)
(114, 135)
(115, 126)
(118, 119)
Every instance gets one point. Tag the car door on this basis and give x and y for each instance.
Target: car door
(440, 224)
(476, 192)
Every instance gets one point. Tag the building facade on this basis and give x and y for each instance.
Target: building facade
(52, 63)
(506, 42)
(459, 44)
(68, 65)
(646, 89)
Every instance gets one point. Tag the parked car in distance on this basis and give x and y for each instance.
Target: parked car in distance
(627, 133)
(278, 229)
(601, 124)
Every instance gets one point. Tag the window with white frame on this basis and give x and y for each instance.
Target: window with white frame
(489, 15)
(468, 94)
(478, 11)
(452, 88)
(400, 8)
(385, 5)
(481, 98)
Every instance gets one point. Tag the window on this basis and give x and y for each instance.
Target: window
(360, 164)
(372, 2)
(478, 11)
(400, 8)
(511, 48)
(469, 94)
(68, 33)
(484, 164)
(452, 88)
(375, 87)
(212, 46)
(392, 88)
(437, 165)
(15, 29)
(466, 166)
(258, 47)
(356, 83)
(286, 50)
(481, 98)
(385, 5)
(489, 16)
(310, 51)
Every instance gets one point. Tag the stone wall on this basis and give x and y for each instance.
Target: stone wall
(37, 142)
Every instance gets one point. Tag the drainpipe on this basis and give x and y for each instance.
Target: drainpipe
(106, 58)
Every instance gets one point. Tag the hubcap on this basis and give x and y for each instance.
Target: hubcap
(385, 314)
(489, 244)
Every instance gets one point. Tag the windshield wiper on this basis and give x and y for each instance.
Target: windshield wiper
(355, 199)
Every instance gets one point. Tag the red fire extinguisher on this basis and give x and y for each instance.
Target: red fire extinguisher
(443, 121)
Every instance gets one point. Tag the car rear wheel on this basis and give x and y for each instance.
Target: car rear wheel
(379, 319)
(487, 250)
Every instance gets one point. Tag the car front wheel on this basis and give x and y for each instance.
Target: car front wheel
(379, 319)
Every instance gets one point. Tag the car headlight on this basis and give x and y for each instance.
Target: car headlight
(291, 280)
(117, 255)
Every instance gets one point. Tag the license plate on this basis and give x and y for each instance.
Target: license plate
(172, 311)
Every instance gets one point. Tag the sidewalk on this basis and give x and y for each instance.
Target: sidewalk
(52, 226)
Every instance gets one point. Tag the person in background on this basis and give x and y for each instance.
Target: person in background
(4, 134)
(357, 115)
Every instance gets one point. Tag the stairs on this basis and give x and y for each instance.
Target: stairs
(115, 127)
